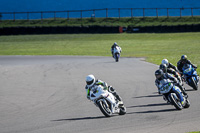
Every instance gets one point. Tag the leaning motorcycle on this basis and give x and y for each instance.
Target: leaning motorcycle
(190, 76)
(169, 91)
(116, 53)
(106, 102)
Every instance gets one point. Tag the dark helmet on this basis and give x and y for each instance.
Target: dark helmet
(163, 67)
(159, 74)
(183, 58)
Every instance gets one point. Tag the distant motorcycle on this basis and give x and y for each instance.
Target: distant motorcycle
(116, 52)
(169, 91)
(106, 102)
(190, 76)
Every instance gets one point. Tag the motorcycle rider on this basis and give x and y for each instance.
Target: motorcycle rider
(91, 83)
(160, 79)
(169, 65)
(183, 61)
(164, 68)
(113, 47)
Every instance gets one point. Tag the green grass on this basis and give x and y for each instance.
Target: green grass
(154, 47)
(136, 21)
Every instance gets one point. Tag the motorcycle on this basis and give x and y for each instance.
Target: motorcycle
(116, 52)
(106, 102)
(190, 76)
(169, 91)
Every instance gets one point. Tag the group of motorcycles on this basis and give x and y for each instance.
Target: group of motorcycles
(168, 89)
(109, 104)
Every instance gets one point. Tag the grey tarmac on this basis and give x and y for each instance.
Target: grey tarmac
(46, 94)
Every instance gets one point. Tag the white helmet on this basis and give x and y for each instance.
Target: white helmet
(165, 61)
(90, 80)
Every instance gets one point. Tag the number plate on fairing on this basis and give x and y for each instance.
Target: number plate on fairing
(166, 88)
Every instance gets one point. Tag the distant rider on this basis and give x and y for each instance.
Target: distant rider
(113, 47)
(183, 61)
(164, 68)
(169, 65)
(161, 79)
(91, 83)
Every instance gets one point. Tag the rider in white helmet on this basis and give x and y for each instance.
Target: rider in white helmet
(91, 83)
(169, 65)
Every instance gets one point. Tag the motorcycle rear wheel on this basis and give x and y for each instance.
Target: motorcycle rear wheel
(122, 110)
(106, 111)
(187, 104)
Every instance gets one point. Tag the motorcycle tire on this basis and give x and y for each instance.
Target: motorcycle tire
(122, 110)
(116, 57)
(107, 112)
(187, 104)
(193, 84)
(175, 102)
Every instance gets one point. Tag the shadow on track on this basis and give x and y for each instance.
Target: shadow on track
(148, 96)
(148, 105)
(83, 118)
(152, 111)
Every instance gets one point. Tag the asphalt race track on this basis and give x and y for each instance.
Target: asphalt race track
(46, 94)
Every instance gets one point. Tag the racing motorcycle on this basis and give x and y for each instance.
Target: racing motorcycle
(116, 52)
(106, 102)
(190, 76)
(169, 91)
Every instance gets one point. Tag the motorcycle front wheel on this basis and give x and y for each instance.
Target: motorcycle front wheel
(175, 101)
(193, 84)
(104, 109)
(117, 57)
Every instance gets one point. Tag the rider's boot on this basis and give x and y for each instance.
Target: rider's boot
(183, 90)
(112, 90)
(118, 98)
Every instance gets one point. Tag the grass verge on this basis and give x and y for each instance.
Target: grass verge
(154, 47)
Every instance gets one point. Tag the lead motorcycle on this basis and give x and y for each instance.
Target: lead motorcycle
(190, 76)
(106, 102)
(116, 52)
(169, 91)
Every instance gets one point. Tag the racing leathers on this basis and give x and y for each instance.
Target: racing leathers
(180, 64)
(176, 75)
(113, 49)
(105, 86)
(165, 78)
(170, 65)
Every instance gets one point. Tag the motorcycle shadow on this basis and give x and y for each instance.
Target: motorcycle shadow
(83, 118)
(148, 96)
(152, 111)
(148, 105)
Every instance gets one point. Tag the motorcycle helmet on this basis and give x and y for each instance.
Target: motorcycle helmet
(159, 74)
(183, 58)
(165, 61)
(90, 80)
(163, 67)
